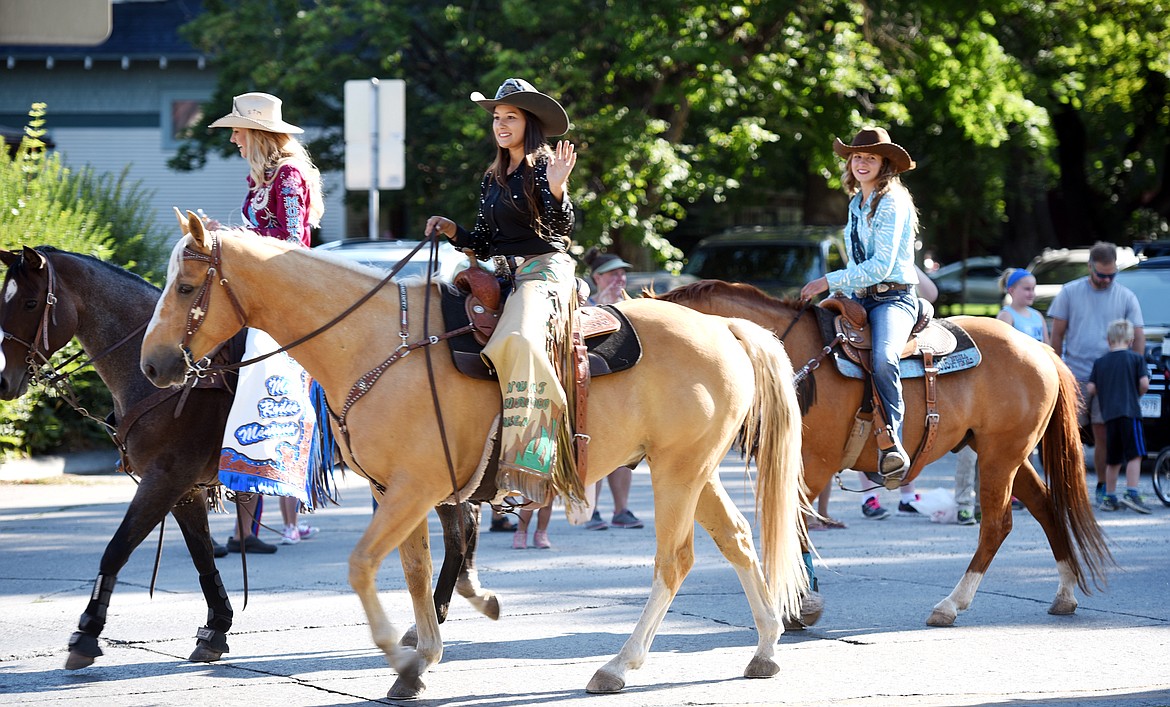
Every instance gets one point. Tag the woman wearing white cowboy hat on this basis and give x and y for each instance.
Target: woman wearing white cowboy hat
(880, 272)
(524, 224)
(284, 187)
(284, 200)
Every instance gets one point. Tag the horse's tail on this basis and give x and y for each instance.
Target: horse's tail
(1064, 464)
(772, 432)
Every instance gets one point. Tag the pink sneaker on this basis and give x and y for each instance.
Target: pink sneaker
(520, 540)
(540, 540)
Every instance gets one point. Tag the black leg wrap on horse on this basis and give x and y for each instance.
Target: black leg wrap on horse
(85, 644)
(219, 608)
(212, 640)
(94, 618)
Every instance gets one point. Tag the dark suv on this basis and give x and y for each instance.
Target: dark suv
(776, 259)
(1150, 281)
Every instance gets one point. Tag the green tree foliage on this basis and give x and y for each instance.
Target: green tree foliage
(81, 211)
(1033, 122)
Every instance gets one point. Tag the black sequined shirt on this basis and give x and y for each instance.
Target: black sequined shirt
(504, 225)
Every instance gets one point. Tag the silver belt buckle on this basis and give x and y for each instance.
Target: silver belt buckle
(881, 288)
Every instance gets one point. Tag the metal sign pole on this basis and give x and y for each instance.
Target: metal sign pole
(373, 235)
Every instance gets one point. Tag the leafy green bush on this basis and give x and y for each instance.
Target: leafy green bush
(106, 216)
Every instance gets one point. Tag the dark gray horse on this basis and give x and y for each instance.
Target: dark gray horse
(175, 456)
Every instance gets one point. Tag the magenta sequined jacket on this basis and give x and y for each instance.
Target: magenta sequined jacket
(280, 209)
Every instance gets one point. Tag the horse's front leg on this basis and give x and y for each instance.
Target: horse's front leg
(383, 535)
(211, 639)
(154, 497)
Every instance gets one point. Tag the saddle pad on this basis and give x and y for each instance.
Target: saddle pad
(608, 353)
(966, 354)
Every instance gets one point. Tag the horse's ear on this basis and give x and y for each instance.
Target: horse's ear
(195, 228)
(34, 258)
(9, 258)
(182, 221)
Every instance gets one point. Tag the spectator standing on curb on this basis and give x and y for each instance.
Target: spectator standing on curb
(1081, 314)
(1118, 380)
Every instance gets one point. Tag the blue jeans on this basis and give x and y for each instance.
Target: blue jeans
(891, 319)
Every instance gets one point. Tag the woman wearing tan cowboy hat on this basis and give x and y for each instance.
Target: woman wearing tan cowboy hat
(284, 188)
(524, 225)
(284, 200)
(880, 272)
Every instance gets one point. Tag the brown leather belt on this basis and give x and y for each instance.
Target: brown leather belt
(881, 288)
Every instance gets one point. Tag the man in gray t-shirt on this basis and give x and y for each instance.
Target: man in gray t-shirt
(1081, 314)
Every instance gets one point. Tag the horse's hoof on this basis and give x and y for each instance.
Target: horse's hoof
(605, 683)
(1063, 607)
(761, 668)
(410, 638)
(203, 654)
(491, 608)
(812, 606)
(407, 687)
(941, 618)
(77, 661)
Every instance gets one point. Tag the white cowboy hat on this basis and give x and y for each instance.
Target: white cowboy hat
(520, 93)
(256, 111)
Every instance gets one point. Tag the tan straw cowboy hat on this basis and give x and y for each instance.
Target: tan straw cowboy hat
(256, 111)
(876, 141)
(520, 93)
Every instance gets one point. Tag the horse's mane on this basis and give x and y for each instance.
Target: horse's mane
(704, 291)
(109, 267)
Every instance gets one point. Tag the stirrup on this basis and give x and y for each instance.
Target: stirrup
(892, 465)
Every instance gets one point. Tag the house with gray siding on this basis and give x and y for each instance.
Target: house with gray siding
(125, 102)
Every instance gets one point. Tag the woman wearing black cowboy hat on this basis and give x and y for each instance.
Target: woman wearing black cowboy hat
(880, 273)
(524, 226)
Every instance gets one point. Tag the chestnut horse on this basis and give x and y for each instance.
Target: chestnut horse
(1021, 394)
(700, 382)
(173, 451)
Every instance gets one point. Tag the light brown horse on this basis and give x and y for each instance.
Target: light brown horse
(701, 381)
(1022, 394)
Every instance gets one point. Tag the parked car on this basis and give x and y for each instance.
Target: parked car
(969, 286)
(776, 259)
(386, 254)
(1056, 266)
(1150, 281)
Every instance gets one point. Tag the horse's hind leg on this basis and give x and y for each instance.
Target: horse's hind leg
(468, 586)
(211, 639)
(154, 497)
(995, 499)
(674, 528)
(733, 536)
(1034, 495)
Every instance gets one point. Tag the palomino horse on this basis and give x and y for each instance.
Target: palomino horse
(701, 381)
(176, 458)
(1020, 395)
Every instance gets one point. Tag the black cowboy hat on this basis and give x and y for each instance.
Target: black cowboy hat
(520, 93)
(877, 141)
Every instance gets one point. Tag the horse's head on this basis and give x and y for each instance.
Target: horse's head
(35, 319)
(197, 310)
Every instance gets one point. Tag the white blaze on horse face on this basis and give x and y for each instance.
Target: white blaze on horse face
(10, 291)
(174, 265)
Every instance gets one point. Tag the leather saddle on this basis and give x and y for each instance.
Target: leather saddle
(477, 298)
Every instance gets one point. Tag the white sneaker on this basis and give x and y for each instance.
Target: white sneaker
(307, 531)
(291, 536)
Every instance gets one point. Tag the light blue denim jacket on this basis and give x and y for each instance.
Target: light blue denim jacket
(888, 241)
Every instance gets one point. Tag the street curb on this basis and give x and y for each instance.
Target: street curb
(51, 465)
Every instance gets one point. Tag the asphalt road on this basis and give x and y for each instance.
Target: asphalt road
(302, 639)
